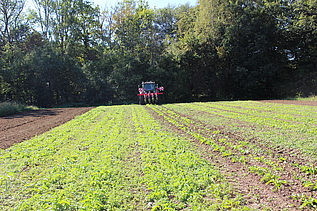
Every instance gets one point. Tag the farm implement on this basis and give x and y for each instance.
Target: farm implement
(149, 92)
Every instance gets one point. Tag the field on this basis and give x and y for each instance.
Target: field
(238, 155)
(23, 126)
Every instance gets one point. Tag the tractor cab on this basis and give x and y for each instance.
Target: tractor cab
(149, 93)
(149, 86)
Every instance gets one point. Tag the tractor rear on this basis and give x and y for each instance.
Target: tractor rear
(149, 93)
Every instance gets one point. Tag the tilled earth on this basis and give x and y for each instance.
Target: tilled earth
(23, 126)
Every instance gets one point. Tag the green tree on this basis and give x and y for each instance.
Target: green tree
(301, 34)
(12, 27)
(73, 25)
(252, 55)
(97, 73)
(137, 49)
(53, 77)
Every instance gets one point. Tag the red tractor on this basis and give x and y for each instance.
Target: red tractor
(149, 92)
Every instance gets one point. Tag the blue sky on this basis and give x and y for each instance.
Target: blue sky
(152, 3)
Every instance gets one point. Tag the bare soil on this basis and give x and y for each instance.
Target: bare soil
(23, 126)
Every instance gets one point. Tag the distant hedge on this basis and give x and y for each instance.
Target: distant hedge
(8, 108)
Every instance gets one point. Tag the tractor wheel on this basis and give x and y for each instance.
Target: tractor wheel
(141, 100)
(158, 100)
(152, 100)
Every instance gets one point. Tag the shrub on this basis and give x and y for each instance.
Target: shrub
(8, 108)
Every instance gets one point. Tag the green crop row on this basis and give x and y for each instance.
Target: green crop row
(294, 110)
(267, 136)
(82, 165)
(111, 158)
(235, 149)
(273, 120)
(177, 177)
(282, 113)
(258, 159)
(272, 130)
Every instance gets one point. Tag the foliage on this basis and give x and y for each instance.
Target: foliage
(8, 108)
(300, 98)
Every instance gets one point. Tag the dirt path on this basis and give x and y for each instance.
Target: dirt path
(23, 126)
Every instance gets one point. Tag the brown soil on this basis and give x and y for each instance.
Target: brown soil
(23, 126)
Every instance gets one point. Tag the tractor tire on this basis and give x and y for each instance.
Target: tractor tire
(158, 100)
(141, 100)
(152, 100)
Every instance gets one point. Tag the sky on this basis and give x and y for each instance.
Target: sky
(152, 3)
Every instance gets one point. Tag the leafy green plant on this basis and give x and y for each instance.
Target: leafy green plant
(309, 202)
(311, 185)
(258, 170)
(273, 179)
(309, 169)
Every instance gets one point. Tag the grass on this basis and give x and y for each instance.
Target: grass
(9, 108)
(312, 98)
(300, 98)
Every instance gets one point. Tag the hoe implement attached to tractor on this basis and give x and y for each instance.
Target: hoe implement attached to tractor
(149, 92)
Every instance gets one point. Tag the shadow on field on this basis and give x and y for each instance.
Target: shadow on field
(34, 113)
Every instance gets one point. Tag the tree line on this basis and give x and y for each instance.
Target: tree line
(67, 51)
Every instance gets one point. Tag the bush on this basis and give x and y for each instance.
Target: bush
(8, 108)
(310, 98)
